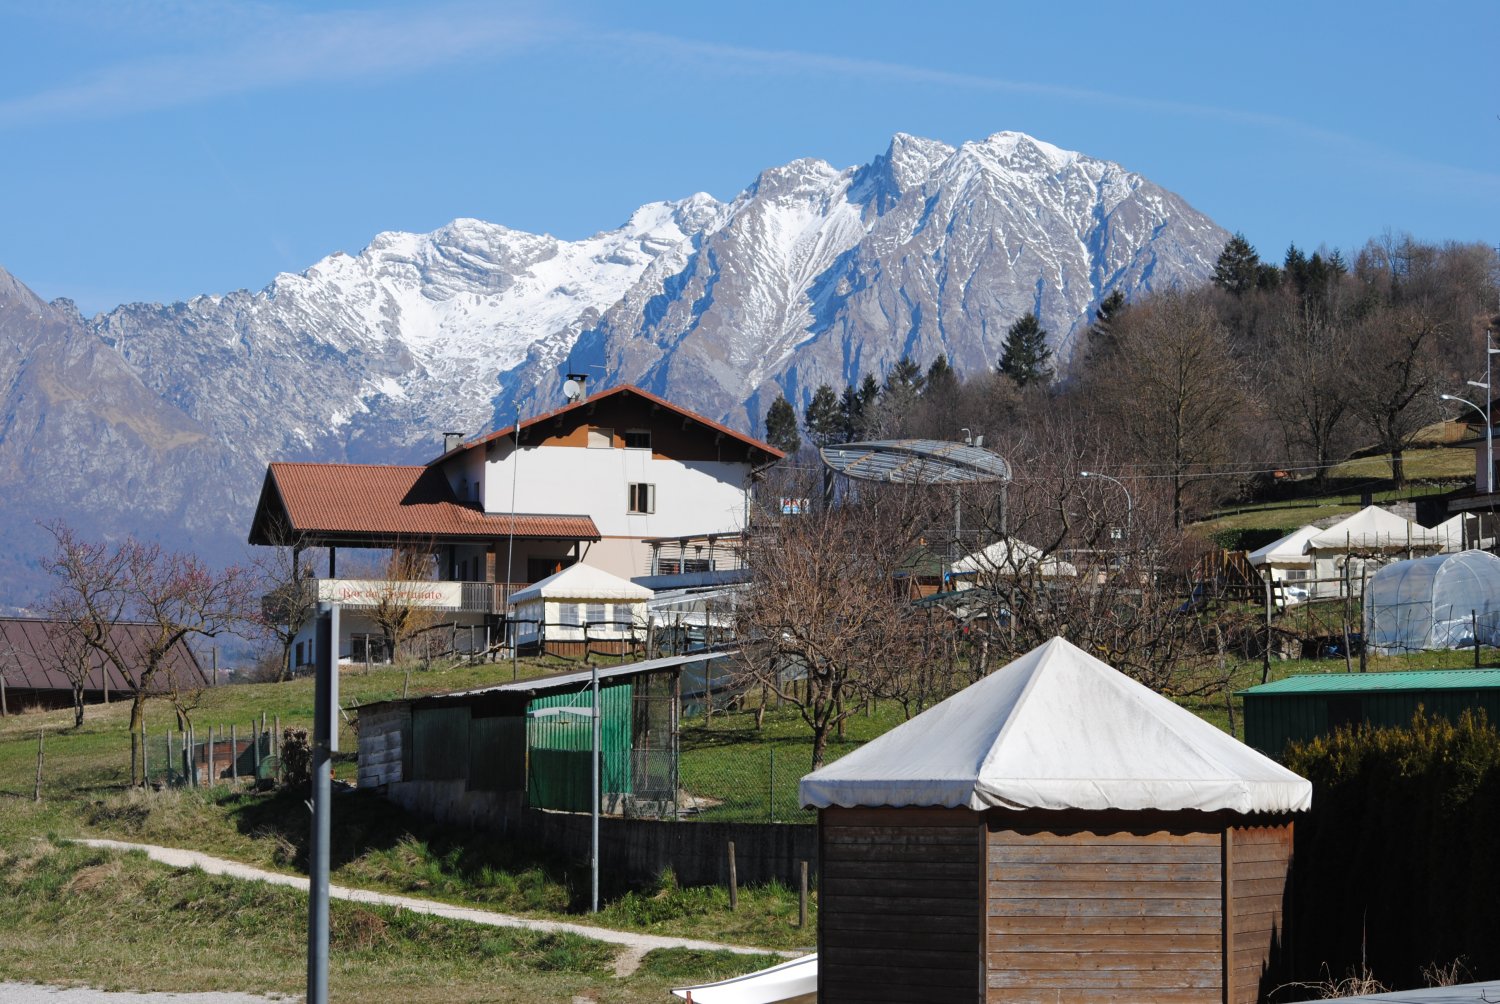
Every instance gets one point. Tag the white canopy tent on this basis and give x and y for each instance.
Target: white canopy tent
(1009, 556)
(578, 595)
(1058, 729)
(1287, 552)
(1375, 529)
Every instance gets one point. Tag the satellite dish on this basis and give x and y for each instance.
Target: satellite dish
(572, 390)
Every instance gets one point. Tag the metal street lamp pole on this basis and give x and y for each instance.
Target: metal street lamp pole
(1489, 437)
(1129, 505)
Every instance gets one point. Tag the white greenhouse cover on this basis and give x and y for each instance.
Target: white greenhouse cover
(1008, 556)
(1289, 550)
(581, 582)
(1058, 729)
(1434, 602)
(1372, 528)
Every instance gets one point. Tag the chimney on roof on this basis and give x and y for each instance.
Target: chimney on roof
(452, 439)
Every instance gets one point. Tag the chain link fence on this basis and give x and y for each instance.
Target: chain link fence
(744, 784)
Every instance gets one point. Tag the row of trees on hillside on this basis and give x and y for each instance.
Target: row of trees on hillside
(1269, 367)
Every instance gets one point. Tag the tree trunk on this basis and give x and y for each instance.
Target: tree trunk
(137, 718)
(1398, 466)
(820, 745)
(78, 705)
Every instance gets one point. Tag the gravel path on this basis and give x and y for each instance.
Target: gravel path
(33, 993)
(634, 945)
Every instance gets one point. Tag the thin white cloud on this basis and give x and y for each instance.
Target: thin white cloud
(261, 48)
(1370, 155)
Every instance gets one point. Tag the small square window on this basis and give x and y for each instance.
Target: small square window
(642, 498)
(601, 438)
(637, 439)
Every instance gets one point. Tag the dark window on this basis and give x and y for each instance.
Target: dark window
(637, 439)
(642, 498)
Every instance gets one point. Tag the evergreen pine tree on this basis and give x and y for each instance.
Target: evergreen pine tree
(1102, 340)
(904, 376)
(781, 426)
(940, 383)
(1238, 267)
(1026, 356)
(824, 418)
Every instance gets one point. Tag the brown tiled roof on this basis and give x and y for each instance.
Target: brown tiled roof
(771, 452)
(346, 503)
(30, 658)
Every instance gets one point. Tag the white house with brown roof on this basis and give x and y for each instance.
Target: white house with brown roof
(601, 482)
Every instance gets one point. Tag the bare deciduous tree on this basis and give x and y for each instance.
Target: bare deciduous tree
(824, 625)
(394, 612)
(288, 600)
(1175, 389)
(168, 596)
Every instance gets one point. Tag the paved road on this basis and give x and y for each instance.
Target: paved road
(634, 945)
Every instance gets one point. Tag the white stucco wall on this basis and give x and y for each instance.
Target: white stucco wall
(692, 497)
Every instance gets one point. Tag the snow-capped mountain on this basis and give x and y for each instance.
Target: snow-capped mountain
(812, 274)
(817, 275)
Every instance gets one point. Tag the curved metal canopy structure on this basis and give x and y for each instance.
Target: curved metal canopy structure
(916, 462)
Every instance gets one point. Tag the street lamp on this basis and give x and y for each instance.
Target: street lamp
(1489, 436)
(1129, 507)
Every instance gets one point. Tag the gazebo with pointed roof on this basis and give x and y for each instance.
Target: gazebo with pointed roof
(1055, 831)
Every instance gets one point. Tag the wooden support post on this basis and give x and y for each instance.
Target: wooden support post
(234, 754)
(255, 747)
(802, 897)
(734, 884)
(1474, 621)
(1227, 911)
(1265, 671)
(213, 775)
(145, 760)
(1364, 636)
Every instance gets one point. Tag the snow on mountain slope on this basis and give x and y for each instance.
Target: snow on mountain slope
(817, 275)
(384, 347)
(813, 274)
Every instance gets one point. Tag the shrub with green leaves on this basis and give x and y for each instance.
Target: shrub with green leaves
(1396, 861)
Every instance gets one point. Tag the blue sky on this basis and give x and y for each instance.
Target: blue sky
(157, 149)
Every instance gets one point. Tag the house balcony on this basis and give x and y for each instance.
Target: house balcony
(447, 595)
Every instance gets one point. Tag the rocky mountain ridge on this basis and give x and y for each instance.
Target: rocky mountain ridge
(167, 414)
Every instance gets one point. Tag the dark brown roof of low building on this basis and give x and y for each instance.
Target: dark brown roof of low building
(31, 658)
(378, 505)
(769, 453)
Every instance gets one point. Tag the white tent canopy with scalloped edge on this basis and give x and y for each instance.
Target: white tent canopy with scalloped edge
(1058, 729)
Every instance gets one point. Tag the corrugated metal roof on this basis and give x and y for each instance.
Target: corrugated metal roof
(568, 681)
(319, 501)
(32, 654)
(1354, 683)
(916, 461)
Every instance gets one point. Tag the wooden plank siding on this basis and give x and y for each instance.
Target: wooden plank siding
(1259, 873)
(1103, 913)
(900, 905)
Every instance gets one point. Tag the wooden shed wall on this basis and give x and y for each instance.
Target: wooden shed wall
(1104, 914)
(900, 905)
(1260, 859)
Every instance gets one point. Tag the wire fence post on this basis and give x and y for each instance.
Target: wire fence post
(771, 788)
